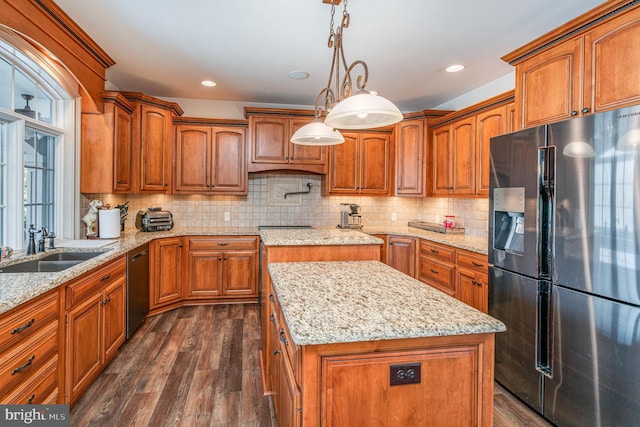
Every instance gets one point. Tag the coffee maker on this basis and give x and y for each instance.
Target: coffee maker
(350, 217)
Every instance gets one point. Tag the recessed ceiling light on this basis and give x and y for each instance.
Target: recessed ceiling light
(454, 68)
(208, 83)
(299, 75)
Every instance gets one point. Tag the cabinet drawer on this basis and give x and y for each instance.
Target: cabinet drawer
(93, 281)
(20, 363)
(476, 262)
(41, 388)
(223, 243)
(438, 275)
(24, 320)
(439, 252)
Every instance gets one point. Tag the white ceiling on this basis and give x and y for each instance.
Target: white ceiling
(248, 47)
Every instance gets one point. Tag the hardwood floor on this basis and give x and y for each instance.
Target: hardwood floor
(198, 366)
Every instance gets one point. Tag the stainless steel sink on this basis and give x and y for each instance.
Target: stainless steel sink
(50, 263)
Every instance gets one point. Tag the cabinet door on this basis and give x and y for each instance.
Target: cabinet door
(122, 160)
(239, 277)
(441, 161)
(612, 58)
(84, 356)
(155, 149)
(165, 276)
(192, 158)
(228, 161)
(401, 254)
(472, 288)
(410, 158)
(488, 124)
(548, 85)
(375, 164)
(304, 154)
(343, 166)
(114, 310)
(463, 156)
(269, 139)
(204, 274)
(288, 412)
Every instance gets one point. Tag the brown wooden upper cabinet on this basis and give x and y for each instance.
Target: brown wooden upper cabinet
(106, 147)
(362, 165)
(410, 158)
(210, 159)
(592, 71)
(270, 146)
(459, 156)
(454, 155)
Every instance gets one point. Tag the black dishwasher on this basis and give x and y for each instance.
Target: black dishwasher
(137, 287)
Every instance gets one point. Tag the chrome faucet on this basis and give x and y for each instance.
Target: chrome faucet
(43, 236)
(51, 236)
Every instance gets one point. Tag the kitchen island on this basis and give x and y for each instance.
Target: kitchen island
(360, 343)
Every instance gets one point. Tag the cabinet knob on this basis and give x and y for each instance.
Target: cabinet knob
(473, 282)
(585, 110)
(283, 338)
(272, 318)
(574, 113)
(276, 352)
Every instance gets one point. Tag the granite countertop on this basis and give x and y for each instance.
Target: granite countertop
(17, 288)
(352, 301)
(316, 237)
(476, 244)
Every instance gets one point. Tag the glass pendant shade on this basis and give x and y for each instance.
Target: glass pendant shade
(363, 111)
(317, 133)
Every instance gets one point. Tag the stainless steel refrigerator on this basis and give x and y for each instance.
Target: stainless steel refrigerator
(564, 242)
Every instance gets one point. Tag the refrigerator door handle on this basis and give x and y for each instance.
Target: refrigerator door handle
(546, 209)
(543, 333)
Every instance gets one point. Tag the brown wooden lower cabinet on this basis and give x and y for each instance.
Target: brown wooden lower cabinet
(401, 254)
(165, 271)
(30, 353)
(436, 266)
(473, 280)
(95, 324)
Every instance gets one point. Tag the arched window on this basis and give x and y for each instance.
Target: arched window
(38, 183)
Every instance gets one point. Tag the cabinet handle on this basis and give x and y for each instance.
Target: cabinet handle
(223, 244)
(574, 113)
(585, 110)
(271, 298)
(272, 318)
(473, 282)
(477, 264)
(25, 366)
(31, 399)
(105, 277)
(180, 245)
(107, 301)
(434, 271)
(283, 338)
(276, 352)
(141, 254)
(22, 328)
(435, 251)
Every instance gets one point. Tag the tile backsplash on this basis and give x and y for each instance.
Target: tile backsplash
(265, 204)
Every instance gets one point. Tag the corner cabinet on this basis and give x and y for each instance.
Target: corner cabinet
(153, 137)
(593, 70)
(222, 268)
(106, 147)
(410, 158)
(270, 146)
(95, 324)
(210, 159)
(362, 165)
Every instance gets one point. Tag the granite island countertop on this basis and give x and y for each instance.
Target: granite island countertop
(316, 237)
(352, 301)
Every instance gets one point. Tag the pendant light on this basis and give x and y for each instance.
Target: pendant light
(362, 110)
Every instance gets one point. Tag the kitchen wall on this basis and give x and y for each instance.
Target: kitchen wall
(265, 204)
